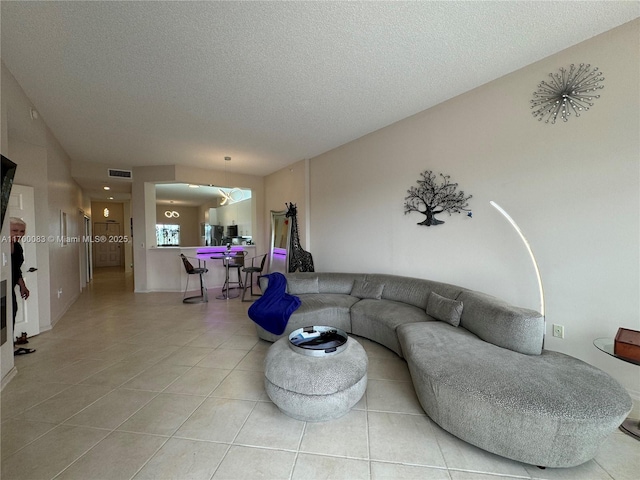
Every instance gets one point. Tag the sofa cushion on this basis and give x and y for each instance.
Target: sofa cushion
(364, 289)
(497, 322)
(300, 286)
(444, 309)
(330, 309)
(377, 320)
(322, 301)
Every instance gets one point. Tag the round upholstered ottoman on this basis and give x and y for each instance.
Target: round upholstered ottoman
(311, 388)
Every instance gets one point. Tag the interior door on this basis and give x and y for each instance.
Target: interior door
(21, 205)
(107, 253)
(86, 266)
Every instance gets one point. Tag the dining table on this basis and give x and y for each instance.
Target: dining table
(226, 254)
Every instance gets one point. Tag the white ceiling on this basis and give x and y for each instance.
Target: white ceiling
(267, 83)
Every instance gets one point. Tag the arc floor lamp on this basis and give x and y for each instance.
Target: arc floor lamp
(531, 255)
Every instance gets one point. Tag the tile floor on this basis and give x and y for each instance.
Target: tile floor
(143, 386)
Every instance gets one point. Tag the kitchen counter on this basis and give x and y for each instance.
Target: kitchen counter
(166, 272)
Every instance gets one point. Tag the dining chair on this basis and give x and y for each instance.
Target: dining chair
(191, 270)
(248, 275)
(235, 261)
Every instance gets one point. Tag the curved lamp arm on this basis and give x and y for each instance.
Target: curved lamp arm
(526, 244)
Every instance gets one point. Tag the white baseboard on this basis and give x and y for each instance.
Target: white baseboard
(8, 377)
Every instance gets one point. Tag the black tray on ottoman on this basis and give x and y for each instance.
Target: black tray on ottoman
(318, 341)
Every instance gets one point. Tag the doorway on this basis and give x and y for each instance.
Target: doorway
(22, 205)
(107, 247)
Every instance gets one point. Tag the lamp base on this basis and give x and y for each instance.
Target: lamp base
(631, 427)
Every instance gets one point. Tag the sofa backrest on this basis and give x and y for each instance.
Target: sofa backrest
(491, 319)
(327, 282)
(413, 291)
(313, 282)
(498, 322)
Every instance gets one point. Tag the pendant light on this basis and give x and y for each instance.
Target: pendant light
(225, 195)
(234, 194)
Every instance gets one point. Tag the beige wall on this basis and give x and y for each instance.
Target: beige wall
(572, 187)
(44, 165)
(288, 185)
(64, 196)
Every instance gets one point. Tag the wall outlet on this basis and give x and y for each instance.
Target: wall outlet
(558, 331)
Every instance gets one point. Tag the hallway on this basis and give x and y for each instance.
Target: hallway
(143, 386)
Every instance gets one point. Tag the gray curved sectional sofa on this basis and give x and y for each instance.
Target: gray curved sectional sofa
(476, 362)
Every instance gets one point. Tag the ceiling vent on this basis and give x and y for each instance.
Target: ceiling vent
(116, 173)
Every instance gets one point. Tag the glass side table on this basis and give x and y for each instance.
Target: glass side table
(630, 426)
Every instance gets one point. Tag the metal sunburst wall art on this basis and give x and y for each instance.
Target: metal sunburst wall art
(567, 93)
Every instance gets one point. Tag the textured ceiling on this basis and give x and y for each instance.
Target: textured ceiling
(267, 83)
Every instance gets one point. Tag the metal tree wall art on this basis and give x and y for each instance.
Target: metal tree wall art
(433, 195)
(567, 93)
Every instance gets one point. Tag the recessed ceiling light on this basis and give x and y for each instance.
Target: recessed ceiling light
(110, 198)
(107, 188)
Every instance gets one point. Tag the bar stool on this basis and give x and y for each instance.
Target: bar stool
(248, 276)
(191, 270)
(233, 261)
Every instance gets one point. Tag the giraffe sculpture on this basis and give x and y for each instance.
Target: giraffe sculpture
(299, 259)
